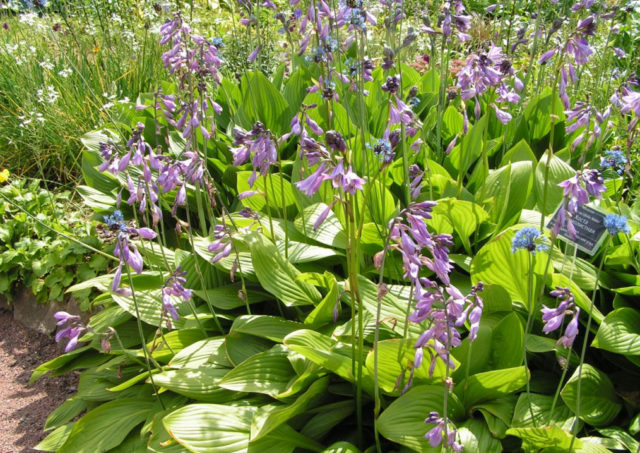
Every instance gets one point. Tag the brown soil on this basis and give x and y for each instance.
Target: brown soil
(24, 408)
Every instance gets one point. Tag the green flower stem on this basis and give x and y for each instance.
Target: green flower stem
(145, 350)
(584, 349)
(530, 308)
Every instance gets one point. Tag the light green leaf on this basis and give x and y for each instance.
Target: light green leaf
(403, 421)
(277, 275)
(196, 383)
(550, 437)
(463, 216)
(107, 425)
(65, 413)
(274, 188)
(226, 297)
(599, 404)
(619, 332)
(268, 372)
(476, 437)
(495, 263)
(509, 186)
(267, 418)
(491, 385)
(149, 305)
(540, 407)
(210, 351)
(330, 232)
(55, 439)
(507, 342)
(272, 328)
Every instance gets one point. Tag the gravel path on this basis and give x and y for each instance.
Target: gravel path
(24, 409)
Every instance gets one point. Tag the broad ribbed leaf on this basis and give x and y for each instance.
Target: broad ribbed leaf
(210, 351)
(226, 297)
(274, 187)
(272, 328)
(509, 186)
(551, 437)
(55, 439)
(278, 276)
(540, 407)
(261, 101)
(620, 332)
(240, 347)
(330, 232)
(341, 447)
(107, 425)
(507, 342)
(475, 436)
(196, 383)
(268, 372)
(491, 385)
(65, 412)
(267, 418)
(463, 216)
(304, 253)
(495, 263)
(599, 404)
(403, 421)
(149, 305)
(167, 345)
(326, 418)
(212, 428)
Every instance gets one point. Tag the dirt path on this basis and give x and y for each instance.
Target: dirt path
(23, 409)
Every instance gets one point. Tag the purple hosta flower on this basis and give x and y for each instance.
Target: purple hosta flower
(73, 329)
(553, 317)
(481, 72)
(257, 143)
(586, 4)
(401, 113)
(451, 23)
(437, 434)
(614, 159)
(616, 224)
(629, 101)
(547, 56)
(503, 117)
(582, 116)
(190, 53)
(346, 179)
(312, 183)
(221, 245)
(576, 193)
(392, 84)
(174, 287)
(334, 140)
(415, 174)
(530, 239)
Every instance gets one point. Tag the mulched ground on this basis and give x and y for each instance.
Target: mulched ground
(23, 408)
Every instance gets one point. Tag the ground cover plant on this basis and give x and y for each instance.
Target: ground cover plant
(354, 253)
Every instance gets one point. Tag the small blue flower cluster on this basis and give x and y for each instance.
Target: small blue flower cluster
(115, 221)
(529, 238)
(616, 224)
(614, 159)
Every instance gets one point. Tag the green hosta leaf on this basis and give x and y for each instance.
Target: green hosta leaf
(476, 437)
(552, 438)
(403, 421)
(620, 332)
(326, 418)
(599, 404)
(498, 414)
(520, 152)
(507, 342)
(55, 439)
(65, 412)
(226, 297)
(107, 425)
(452, 123)
(211, 428)
(261, 101)
(95, 199)
(330, 232)
(323, 350)
(56, 363)
(463, 216)
(278, 276)
(558, 172)
(491, 384)
(267, 418)
(276, 185)
(509, 187)
(496, 264)
(210, 351)
(341, 447)
(389, 368)
(167, 345)
(272, 328)
(469, 149)
(239, 347)
(149, 305)
(622, 437)
(196, 383)
(540, 407)
(304, 253)
(323, 313)
(268, 372)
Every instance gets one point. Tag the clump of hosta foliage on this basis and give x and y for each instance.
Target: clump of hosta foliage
(354, 255)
